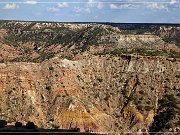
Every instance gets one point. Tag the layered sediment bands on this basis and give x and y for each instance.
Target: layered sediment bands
(95, 77)
(96, 93)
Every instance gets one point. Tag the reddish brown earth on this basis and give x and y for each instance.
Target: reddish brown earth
(91, 90)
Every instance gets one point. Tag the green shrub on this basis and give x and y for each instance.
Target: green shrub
(168, 109)
(51, 68)
(48, 88)
(18, 124)
(178, 76)
(100, 79)
(3, 123)
(147, 108)
(30, 125)
(141, 92)
(140, 107)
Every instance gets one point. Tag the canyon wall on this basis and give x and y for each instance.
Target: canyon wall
(90, 76)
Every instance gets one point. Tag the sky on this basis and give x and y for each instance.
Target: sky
(119, 11)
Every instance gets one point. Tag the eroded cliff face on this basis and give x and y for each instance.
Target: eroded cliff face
(88, 76)
(97, 93)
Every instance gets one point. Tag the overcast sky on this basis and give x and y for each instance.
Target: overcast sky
(122, 11)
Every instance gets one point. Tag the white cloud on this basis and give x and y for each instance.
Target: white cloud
(153, 5)
(113, 6)
(58, 7)
(52, 9)
(95, 3)
(10, 6)
(81, 10)
(173, 1)
(157, 6)
(31, 2)
(63, 5)
(91, 2)
(100, 5)
(124, 6)
(87, 10)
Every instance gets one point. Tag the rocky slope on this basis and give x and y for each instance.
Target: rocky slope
(95, 77)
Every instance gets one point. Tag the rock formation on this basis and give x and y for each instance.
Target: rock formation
(95, 77)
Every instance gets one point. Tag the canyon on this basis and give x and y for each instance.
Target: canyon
(92, 76)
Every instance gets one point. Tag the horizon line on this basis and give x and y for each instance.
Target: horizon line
(89, 22)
